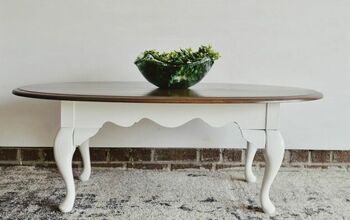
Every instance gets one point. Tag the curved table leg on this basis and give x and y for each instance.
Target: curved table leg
(250, 153)
(255, 139)
(274, 152)
(63, 151)
(85, 154)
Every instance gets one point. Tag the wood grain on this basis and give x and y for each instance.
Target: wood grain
(142, 92)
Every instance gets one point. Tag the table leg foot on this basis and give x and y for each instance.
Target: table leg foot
(63, 151)
(250, 153)
(85, 154)
(274, 152)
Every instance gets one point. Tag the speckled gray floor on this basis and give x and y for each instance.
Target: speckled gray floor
(33, 193)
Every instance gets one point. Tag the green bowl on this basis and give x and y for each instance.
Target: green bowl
(172, 76)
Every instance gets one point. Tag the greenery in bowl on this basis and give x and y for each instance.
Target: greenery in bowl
(177, 69)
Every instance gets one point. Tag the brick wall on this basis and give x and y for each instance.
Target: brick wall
(171, 159)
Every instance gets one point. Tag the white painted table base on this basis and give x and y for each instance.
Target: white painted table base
(82, 120)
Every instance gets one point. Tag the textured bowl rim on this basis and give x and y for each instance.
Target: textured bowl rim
(154, 60)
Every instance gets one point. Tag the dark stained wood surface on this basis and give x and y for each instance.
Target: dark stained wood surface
(142, 92)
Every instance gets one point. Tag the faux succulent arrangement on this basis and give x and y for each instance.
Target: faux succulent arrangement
(183, 56)
(176, 69)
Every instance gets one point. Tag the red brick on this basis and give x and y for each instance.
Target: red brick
(44, 157)
(153, 166)
(47, 154)
(185, 166)
(77, 155)
(294, 165)
(232, 155)
(98, 154)
(175, 154)
(316, 166)
(77, 165)
(225, 166)
(120, 154)
(286, 157)
(101, 164)
(140, 154)
(299, 156)
(8, 154)
(30, 154)
(341, 156)
(46, 165)
(259, 156)
(210, 154)
(320, 156)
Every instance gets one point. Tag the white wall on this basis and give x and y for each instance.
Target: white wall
(304, 43)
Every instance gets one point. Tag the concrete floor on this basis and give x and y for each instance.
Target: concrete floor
(111, 193)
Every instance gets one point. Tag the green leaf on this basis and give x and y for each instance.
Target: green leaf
(183, 56)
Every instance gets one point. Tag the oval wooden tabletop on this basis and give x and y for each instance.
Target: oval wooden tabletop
(142, 92)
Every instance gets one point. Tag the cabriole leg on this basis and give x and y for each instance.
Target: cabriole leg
(274, 152)
(255, 139)
(250, 153)
(63, 151)
(85, 154)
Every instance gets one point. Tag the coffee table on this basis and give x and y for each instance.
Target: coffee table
(86, 106)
